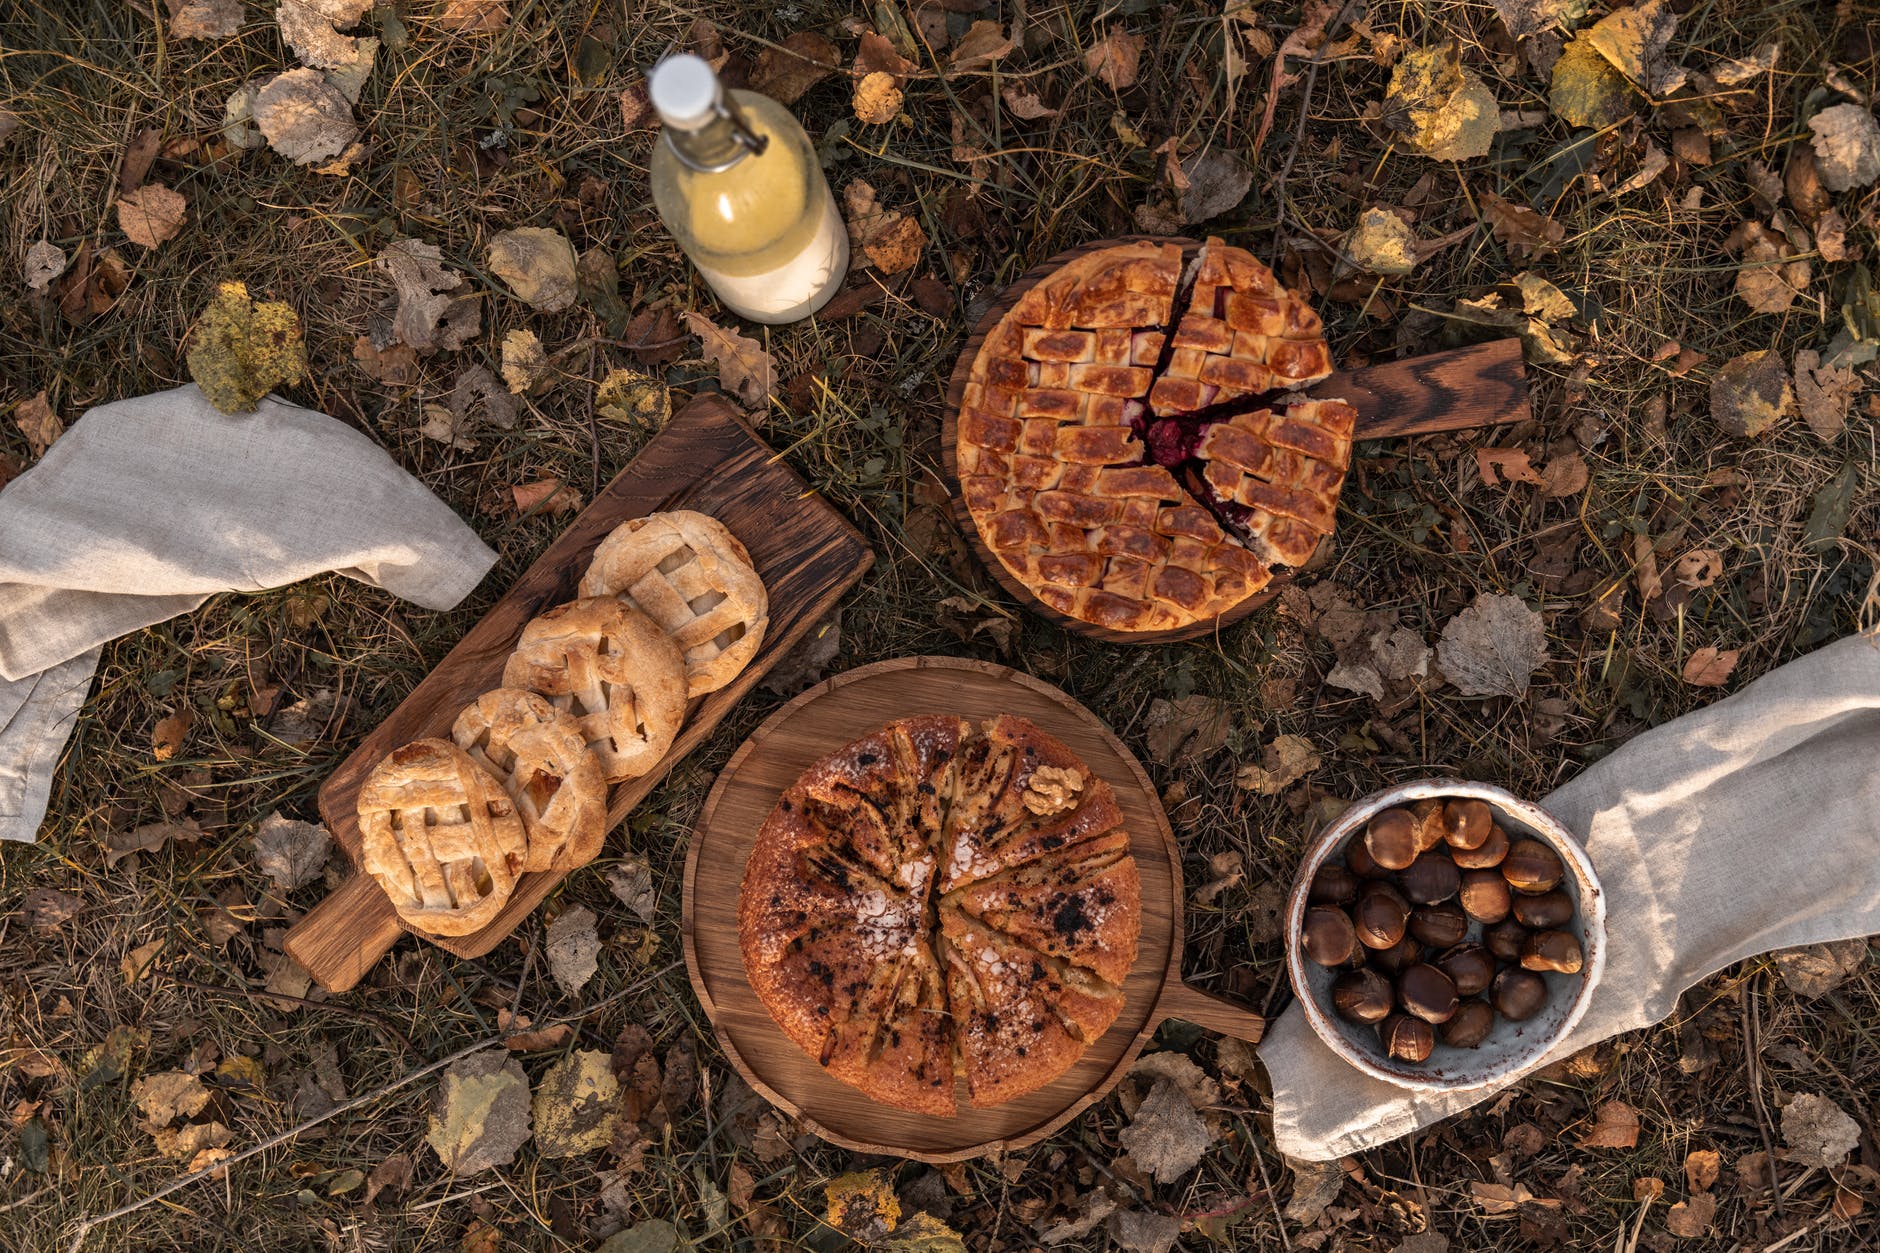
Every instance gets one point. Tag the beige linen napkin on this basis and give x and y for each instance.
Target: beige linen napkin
(149, 506)
(1749, 825)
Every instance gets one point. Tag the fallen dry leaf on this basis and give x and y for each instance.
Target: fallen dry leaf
(430, 314)
(1701, 1168)
(1283, 762)
(745, 370)
(786, 73)
(1115, 59)
(311, 28)
(1824, 393)
(205, 19)
(478, 398)
(1831, 238)
(1227, 869)
(168, 736)
(44, 262)
(47, 908)
(1494, 647)
(538, 264)
(983, 43)
(1847, 147)
(1564, 475)
(877, 99)
(1615, 1126)
(576, 1107)
(1710, 666)
(888, 239)
(147, 839)
(1382, 243)
(1024, 103)
(138, 961)
(481, 1113)
(1691, 1219)
(1217, 181)
(291, 853)
(629, 396)
(474, 17)
(304, 118)
(38, 423)
(631, 882)
(862, 1205)
(1531, 17)
(1817, 1131)
(167, 1096)
(1635, 39)
(548, 496)
(1498, 1199)
(350, 78)
(573, 948)
(1504, 467)
(1771, 277)
(1186, 730)
(1442, 110)
(1166, 1137)
(522, 1040)
(151, 215)
(1587, 91)
(1698, 568)
(396, 366)
(1750, 393)
(1814, 970)
(524, 364)
(240, 350)
(1733, 72)
(1143, 1231)
(238, 118)
(1315, 1186)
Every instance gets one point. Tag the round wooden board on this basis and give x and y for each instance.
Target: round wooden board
(949, 459)
(822, 720)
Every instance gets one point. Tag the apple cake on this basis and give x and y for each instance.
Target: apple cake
(939, 903)
(1130, 442)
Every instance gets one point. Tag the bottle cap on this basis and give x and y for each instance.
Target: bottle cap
(684, 91)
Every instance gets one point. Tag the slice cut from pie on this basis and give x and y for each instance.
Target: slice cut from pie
(1085, 440)
(1071, 904)
(899, 1047)
(1022, 1018)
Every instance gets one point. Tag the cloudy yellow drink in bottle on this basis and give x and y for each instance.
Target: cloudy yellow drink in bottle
(737, 183)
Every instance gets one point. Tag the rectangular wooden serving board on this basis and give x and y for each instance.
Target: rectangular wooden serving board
(706, 459)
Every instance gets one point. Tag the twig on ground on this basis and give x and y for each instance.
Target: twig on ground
(1752, 1029)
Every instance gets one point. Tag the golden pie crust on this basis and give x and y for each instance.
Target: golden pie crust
(689, 573)
(614, 671)
(1132, 479)
(441, 837)
(938, 904)
(539, 756)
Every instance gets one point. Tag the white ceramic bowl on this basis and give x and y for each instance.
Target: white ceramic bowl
(1512, 1048)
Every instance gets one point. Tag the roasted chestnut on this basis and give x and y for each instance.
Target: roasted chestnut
(1407, 1039)
(1361, 995)
(1466, 823)
(1505, 939)
(1391, 839)
(1333, 885)
(1557, 951)
(1439, 925)
(1381, 915)
(1430, 878)
(1544, 912)
(1425, 991)
(1328, 935)
(1393, 960)
(1469, 1025)
(1485, 895)
(1532, 867)
(1362, 864)
(1488, 855)
(1518, 994)
(1470, 967)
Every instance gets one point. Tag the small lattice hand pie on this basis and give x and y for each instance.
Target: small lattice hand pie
(536, 752)
(689, 573)
(614, 671)
(441, 837)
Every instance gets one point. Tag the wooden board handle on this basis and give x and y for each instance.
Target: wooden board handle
(1205, 1009)
(1482, 385)
(341, 938)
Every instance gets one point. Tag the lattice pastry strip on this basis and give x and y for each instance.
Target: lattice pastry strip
(689, 573)
(441, 837)
(615, 671)
(538, 754)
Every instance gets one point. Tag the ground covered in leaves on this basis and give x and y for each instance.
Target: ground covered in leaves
(431, 219)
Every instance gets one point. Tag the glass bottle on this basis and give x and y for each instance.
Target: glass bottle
(737, 183)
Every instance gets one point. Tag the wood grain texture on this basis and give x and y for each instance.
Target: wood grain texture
(706, 459)
(1482, 385)
(824, 719)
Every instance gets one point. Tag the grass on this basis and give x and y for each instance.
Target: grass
(470, 135)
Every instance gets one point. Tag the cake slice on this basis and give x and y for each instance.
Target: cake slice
(1072, 904)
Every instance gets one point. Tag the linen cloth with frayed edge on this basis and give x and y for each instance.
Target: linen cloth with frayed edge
(147, 507)
(1749, 825)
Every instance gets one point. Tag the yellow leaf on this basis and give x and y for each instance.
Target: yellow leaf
(1751, 393)
(240, 350)
(877, 99)
(1442, 110)
(137, 962)
(170, 732)
(862, 1205)
(1382, 243)
(1587, 91)
(38, 423)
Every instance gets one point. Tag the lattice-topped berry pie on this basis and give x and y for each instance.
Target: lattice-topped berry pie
(1140, 479)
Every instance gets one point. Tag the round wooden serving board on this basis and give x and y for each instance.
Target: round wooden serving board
(822, 720)
(1482, 385)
